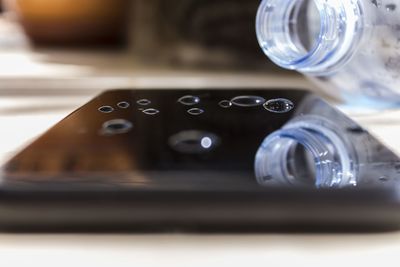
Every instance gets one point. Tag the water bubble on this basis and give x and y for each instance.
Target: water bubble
(356, 130)
(117, 126)
(267, 178)
(106, 109)
(189, 100)
(195, 111)
(267, 44)
(248, 101)
(193, 142)
(123, 104)
(384, 179)
(269, 8)
(225, 104)
(144, 102)
(375, 3)
(279, 105)
(390, 7)
(151, 111)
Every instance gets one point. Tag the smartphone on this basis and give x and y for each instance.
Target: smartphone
(181, 160)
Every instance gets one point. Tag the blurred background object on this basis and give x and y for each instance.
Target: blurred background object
(203, 34)
(64, 22)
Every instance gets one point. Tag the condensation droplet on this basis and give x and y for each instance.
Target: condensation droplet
(279, 105)
(189, 100)
(375, 3)
(123, 104)
(384, 179)
(144, 102)
(225, 104)
(356, 129)
(117, 126)
(269, 8)
(267, 178)
(390, 7)
(151, 111)
(106, 109)
(195, 111)
(248, 101)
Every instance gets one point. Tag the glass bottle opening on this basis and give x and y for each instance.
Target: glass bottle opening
(308, 35)
(307, 152)
(305, 19)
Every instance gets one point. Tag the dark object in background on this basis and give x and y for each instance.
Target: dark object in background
(213, 24)
(66, 22)
(199, 33)
(218, 34)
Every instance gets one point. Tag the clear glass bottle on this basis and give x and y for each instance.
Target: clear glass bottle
(350, 47)
(320, 147)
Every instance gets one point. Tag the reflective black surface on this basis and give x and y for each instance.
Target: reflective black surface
(158, 139)
(148, 162)
(165, 140)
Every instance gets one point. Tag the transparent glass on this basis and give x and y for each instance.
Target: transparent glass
(320, 147)
(351, 48)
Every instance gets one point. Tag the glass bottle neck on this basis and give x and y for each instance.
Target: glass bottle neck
(310, 36)
(307, 151)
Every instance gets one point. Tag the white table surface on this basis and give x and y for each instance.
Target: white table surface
(200, 250)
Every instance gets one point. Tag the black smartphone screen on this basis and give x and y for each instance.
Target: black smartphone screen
(156, 139)
(182, 156)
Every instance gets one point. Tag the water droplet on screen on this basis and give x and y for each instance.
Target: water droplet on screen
(193, 142)
(123, 104)
(390, 7)
(144, 102)
(106, 109)
(206, 142)
(279, 105)
(225, 104)
(117, 126)
(189, 100)
(195, 111)
(248, 101)
(151, 111)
